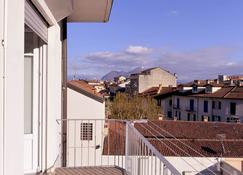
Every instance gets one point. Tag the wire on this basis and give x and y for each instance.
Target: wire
(171, 150)
(188, 146)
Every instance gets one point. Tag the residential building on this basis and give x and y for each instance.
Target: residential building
(120, 79)
(85, 111)
(33, 54)
(200, 102)
(153, 77)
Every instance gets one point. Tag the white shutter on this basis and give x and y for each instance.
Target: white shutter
(35, 21)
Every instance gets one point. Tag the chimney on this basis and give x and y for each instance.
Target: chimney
(160, 88)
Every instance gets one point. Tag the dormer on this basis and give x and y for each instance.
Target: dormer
(211, 89)
(194, 88)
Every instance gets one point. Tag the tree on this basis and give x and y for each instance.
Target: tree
(134, 107)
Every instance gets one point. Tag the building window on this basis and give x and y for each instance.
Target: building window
(170, 102)
(213, 104)
(206, 106)
(179, 115)
(176, 113)
(178, 103)
(194, 117)
(86, 131)
(219, 104)
(216, 118)
(191, 105)
(188, 116)
(169, 114)
(232, 108)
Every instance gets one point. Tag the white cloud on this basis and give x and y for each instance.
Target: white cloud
(138, 50)
(198, 64)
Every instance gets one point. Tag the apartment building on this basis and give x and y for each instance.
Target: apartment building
(203, 102)
(153, 77)
(33, 54)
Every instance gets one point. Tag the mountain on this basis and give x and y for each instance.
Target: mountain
(111, 75)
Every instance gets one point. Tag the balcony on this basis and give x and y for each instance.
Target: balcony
(189, 109)
(176, 107)
(109, 147)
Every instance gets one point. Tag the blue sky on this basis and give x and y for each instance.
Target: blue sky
(193, 38)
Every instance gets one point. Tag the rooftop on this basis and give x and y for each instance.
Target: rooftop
(83, 87)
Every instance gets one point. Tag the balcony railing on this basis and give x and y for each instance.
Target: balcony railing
(190, 109)
(113, 143)
(176, 107)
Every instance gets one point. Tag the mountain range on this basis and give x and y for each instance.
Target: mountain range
(111, 75)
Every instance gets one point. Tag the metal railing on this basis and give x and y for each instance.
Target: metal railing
(98, 142)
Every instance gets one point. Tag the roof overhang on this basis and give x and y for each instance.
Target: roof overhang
(80, 10)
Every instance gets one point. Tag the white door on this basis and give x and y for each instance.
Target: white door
(33, 80)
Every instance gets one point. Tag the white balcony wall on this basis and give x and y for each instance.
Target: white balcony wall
(11, 87)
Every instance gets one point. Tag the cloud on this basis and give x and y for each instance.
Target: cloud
(138, 50)
(197, 64)
(173, 13)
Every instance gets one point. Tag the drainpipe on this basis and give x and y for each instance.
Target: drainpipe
(64, 92)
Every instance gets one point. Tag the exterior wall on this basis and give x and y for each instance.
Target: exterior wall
(80, 106)
(54, 93)
(11, 99)
(156, 78)
(189, 165)
(85, 110)
(235, 162)
(165, 107)
(224, 112)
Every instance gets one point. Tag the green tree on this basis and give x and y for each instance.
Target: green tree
(134, 107)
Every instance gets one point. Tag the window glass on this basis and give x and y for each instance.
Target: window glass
(205, 106)
(28, 94)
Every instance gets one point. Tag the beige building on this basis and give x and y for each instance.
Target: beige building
(153, 77)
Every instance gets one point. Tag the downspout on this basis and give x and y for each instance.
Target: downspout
(64, 92)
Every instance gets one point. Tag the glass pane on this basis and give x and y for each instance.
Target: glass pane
(28, 94)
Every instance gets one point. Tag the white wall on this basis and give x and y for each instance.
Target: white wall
(82, 152)
(80, 106)
(12, 109)
(54, 90)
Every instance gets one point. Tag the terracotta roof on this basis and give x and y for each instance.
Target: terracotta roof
(230, 92)
(201, 136)
(84, 88)
(150, 92)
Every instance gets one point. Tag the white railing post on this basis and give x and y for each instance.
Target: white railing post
(126, 147)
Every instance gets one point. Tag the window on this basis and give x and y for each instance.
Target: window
(216, 118)
(232, 108)
(169, 114)
(188, 116)
(194, 117)
(213, 104)
(178, 103)
(179, 118)
(28, 95)
(86, 131)
(219, 104)
(205, 106)
(191, 105)
(170, 102)
(176, 113)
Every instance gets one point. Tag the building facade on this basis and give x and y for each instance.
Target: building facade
(203, 103)
(153, 77)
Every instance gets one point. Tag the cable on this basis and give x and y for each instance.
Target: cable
(171, 150)
(186, 145)
(182, 150)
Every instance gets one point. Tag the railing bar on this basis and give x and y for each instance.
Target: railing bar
(88, 144)
(102, 140)
(95, 143)
(81, 151)
(75, 143)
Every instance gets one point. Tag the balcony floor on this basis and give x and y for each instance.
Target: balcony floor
(90, 171)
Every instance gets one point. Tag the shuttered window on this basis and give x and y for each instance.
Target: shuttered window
(34, 21)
